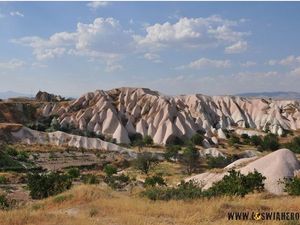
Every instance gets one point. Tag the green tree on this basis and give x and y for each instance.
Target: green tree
(148, 140)
(155, 180)
(237, 184)
(197, 139)
(292, 185)
(270, 142)
(256, 140)
(55, 125)
(190, 158)
(44, 185)
(73, 172)
(109, 170)
(145, 161)
(172, 152)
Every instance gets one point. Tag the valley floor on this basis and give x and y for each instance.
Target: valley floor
(96, 204)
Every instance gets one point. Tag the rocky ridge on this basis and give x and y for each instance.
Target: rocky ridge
(122, 112)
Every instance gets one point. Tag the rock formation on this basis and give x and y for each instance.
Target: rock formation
(58, 138)
(274, 166)
(123, 111)
(46, 97)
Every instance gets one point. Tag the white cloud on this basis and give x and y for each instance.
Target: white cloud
(237, 47)
(204, 63)
(12, 64)
(290, 60)
(152, 57)
(248, 64)
(16, 13)
(192, 32)
(97, 4)
(103, 40)
(272, 62)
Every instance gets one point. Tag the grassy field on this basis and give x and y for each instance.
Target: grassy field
(90, 204)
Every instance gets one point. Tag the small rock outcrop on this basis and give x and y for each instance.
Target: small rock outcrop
(46, 97)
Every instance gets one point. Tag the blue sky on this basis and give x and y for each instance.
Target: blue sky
(213, 48)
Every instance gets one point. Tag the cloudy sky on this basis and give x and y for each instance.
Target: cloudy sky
(212, 48)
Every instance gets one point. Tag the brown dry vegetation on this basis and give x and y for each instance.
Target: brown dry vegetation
(88, 204)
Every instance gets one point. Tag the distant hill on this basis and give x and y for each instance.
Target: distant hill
(274, 95)
(12, 94)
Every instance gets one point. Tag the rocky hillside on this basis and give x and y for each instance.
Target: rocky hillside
(124, 111)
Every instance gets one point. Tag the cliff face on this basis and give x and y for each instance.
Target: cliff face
(124, 111)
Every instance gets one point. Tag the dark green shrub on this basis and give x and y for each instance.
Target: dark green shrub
(184, 191)
(44, 185)
(294, 145)
(135, 137)
(270, 142)
(197, 139)
(4, 204)
(73, 173)
(174, 140)
(155, 180)
(218, 162)
(233, 184)
(234, 140)
(145, 161)
(22, 156)
(292, 185)
(11, 151)
(237, 184)
(190, 158)
(172, 152)
(245, 136)
(7, 163)
(256, 140)
(109, 170)
(117, 182)
(148, 140)
(3, 180)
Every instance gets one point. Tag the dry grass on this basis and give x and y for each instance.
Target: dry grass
(87, 205)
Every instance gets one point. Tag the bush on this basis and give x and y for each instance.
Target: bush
(237, 184)
(234, 140)
(197, 139)
(245, 136)
(292, 185)
(3, 180)
(172, 152)
(90, 179)
(190, 158)
(148, 140)
(174, 140)
(233, 184)
(23, 156)
(145, 161)
(155, 180)
(270, 142)
(11, 151)
(117, 182)
(135, 137)
(294, 145)
(256, 140)
(218, 162)
(44, 185)
(4, 204)
(109, 170)
(184, 191)
(73, 173)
